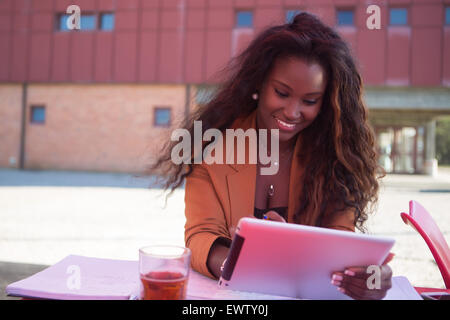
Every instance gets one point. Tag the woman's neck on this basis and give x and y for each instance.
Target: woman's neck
(283, 146)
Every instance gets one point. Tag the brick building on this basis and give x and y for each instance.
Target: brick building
(102, 97)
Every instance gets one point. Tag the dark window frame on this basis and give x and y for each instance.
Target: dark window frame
(34, 107)
(95, 15)
(447, 15)
(162, 108)
(236, 20)
(407, 16)
(346, 9)
(288, 10)
(100, 20)
(59, 16)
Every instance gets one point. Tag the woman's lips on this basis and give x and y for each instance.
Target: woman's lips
(286, 126)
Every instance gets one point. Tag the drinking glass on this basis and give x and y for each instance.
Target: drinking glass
(164, 272)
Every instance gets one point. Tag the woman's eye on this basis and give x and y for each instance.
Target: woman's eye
(281, 94)
(310, 102)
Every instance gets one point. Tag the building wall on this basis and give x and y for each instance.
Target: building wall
(97, 127)
(99, 88)
(10, 120)
(188, 41)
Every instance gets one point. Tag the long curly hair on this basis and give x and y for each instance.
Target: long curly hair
(342, 163)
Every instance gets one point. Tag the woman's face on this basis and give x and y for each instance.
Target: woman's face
(291, 96)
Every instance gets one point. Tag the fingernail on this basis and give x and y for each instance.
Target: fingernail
(336, 283)
(265, 217)
(349, 273)
(341, 289)
(337, 277)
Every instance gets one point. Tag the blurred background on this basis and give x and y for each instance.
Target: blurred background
(84, 111)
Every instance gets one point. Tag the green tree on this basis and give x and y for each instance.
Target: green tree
(443, 140)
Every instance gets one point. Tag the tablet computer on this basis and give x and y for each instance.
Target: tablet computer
(294, 260)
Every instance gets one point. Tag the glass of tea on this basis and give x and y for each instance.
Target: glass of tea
(164, 272)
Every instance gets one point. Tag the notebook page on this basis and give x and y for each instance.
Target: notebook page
(78, 277)
(204, 288)
(402, 290)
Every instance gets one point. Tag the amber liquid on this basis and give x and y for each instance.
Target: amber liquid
(163, 285)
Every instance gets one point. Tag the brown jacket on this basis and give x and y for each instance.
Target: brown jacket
(218, 195)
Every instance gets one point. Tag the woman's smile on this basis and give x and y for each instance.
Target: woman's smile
(286, 126)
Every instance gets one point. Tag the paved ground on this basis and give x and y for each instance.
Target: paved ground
(46, 216)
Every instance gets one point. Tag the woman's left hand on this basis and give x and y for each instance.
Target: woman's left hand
(361, 283)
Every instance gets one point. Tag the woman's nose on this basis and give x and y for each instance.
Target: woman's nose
(293, 112)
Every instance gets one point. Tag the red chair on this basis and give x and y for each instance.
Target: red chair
(423, 223)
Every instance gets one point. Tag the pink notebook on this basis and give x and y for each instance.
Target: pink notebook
(81, 278)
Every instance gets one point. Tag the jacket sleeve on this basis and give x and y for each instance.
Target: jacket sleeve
(205, 219)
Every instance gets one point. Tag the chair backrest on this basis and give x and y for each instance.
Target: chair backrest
(423, 223)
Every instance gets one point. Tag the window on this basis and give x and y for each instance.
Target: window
(398, 16)
(162, 117)
(37, 114)
(63, 22)
(345, 17)
(290, 15)
(447, 15)
(88, 22)
(107, 21)
(205, 93)
(244, 19)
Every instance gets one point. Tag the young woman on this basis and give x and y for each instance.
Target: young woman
(299, 78)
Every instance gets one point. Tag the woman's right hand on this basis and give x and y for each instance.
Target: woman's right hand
(273, 216)
(269, 215)
(220, 253)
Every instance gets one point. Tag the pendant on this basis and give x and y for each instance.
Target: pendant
(271, 191)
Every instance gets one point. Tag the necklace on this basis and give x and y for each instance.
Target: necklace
(271, 189)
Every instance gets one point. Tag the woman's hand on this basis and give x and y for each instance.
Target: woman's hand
(358, 283)
(273, 216)
(270, 215)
